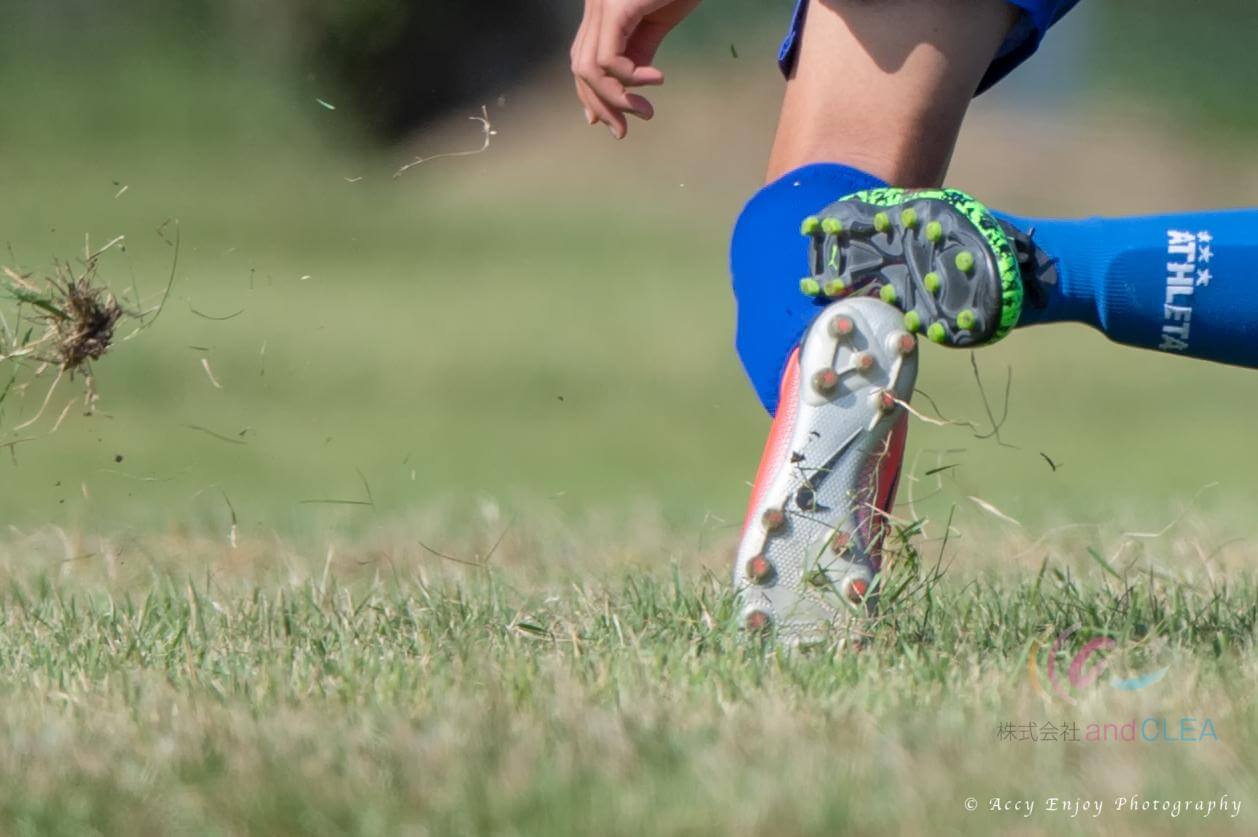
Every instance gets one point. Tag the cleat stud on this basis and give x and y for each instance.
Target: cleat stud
(966, 320)
(810, 226)
(758, 620)
(840, 542)
(825, 381)
(965, 261)
(855, 590)
(832, 226)
(934, 232)
(902, 343)
(888, 294)
(835, 287)
(864, 362)
(913, 321)
(909, 218)
(885, 401)
(937, 333)
(759, 570)
(931, 281)
(773, 520)
(882, 223)
(841, 326)
(810, 287)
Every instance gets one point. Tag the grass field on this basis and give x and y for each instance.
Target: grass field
(394, 692)
(522, 360)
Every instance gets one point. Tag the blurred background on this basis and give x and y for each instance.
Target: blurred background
(547, 325)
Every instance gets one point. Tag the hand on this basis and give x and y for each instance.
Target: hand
(613, 52)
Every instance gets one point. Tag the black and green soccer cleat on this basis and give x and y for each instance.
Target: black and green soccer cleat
(939, 256)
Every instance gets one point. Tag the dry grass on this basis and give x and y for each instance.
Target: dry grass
(72, 315)
(575, 682)
(63, 323)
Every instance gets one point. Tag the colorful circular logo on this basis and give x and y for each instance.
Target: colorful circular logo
(1085, 668)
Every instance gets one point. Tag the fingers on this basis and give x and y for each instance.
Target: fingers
(590, 119)
(615, 31)
(584, 95)
(602, 99)
(584, 49)
(602, 71)
(597, 111)
(622, 68)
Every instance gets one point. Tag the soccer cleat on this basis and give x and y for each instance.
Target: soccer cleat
(938, 255)
(811, 546)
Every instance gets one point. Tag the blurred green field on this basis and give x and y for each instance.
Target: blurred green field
(549, 319)
(528, 353)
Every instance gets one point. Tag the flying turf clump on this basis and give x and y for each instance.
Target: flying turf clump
(76, 317)
(63, 323)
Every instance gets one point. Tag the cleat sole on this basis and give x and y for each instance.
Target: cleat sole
(939, 256)
(813, 535)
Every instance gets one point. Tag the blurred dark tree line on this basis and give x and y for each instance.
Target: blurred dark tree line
(403, 63)
(399, 65)
(396, 65)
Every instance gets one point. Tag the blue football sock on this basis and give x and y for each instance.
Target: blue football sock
(768, 256)
(1178, 283)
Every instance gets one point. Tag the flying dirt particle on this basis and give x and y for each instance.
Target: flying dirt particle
(993, 511)
(326, 104)
(209, 373)
(487, 134)
(218, 436)
(118, 457)
(234, 531)
(215, 318)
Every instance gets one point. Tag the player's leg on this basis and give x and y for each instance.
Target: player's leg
(878, 91)
(883, 86)
(965, 276)
(877, 94)
(1179, 283)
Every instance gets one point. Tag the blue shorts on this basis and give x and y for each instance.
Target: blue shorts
(1037, 17)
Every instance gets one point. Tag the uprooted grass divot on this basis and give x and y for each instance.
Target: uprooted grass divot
(63, 322)
(74, 316)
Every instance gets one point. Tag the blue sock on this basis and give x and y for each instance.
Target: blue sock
(768, 256)
(1178, 283)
